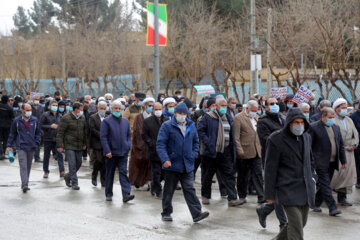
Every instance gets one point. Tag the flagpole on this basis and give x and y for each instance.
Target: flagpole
(156, 54)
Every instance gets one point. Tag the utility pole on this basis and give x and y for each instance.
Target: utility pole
(254, 84)
(156, 54)
(269, 57)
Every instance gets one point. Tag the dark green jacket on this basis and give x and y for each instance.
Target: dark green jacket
(71, 133)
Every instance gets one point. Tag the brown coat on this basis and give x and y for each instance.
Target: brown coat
(246, 138)
(130, 114)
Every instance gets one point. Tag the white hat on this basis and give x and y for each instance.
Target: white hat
(109, 95)
(168, 100)
(148, 99)
(338, 102)
(121, 100)
(101, 99)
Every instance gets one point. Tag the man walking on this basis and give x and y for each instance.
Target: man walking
(37, 111)
(177, 147)
(25, 132)
(71, 136)
(355, 116)
(6, 117)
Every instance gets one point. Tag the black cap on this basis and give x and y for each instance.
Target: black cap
(140, 95)
(210, 102)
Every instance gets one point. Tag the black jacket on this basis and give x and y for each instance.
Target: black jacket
(321, 145)
(94, 132)
(46, 120)
(267, 124)
(316, 117)
(197, 114)
(289, 176)
(150, 131)
(6, 115)
(37, 111)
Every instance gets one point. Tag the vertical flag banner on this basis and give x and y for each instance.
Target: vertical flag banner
(151, 24)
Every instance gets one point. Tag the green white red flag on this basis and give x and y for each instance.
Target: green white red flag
(151, 24)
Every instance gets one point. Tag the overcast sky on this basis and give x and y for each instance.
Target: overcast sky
(8, 9)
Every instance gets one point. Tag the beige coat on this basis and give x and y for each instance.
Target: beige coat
(130, 114)
(246, 138)
(346, 178)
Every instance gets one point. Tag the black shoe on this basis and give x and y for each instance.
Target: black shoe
(345, 203)
(317, 209)
(202, 216)
(261, 200)
(159, 196)
(178, 187)
(357, 185)
(213, 181)
(38, 161)
(166, 218)
(67, 180)
(94, 182)
(25, 188)
(334, 212)
(109, 199)
(128, 197)
(262, 217)
(75, 187)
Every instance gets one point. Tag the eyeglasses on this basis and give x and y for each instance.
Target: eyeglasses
(274, 103)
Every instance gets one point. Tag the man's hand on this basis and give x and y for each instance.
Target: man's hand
(167, 164)
(84, 147)
(350, 149)
(60, 150)
(344, 166)
(9, 149)
(271, 201)
(54, 126)
(109, 155)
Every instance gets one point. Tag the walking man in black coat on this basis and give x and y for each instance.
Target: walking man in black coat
(328, 150)
(6, 117)
(289, 176)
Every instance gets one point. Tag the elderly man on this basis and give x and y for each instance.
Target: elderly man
(288, 173)
(25, 132)
(232, 107)
(96, 154)
(344, 179)
(135, 108)
(150, 133)
(139, 166)
(115, 136)
(169, 105)
(317, 116)
(248, 149)
(71, 136)
(37, 111)
(355, 116)
(49, 122)
(177, 146)
(216, 133)
(305, 108)
(313, 109)
(328, 151)
(108, 97)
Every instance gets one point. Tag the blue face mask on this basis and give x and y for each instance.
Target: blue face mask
(290, 105)
(71, 109)
(123, 107)
(212, 109)
(43, 105)
(67, 108)
(259, 112)
(171, 110)
(330, 122)
(343, 112)
(61, 109)
(140, 103)
(149, 109)
(54, 108)
(313, 103)
(116, 114)
(16, 109)
(205, 110)
(222, 110)
(307, 115)
(274, 108)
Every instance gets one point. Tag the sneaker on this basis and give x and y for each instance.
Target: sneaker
(94, 182)
(109, 199)
(236, 203)
(317, 209)
(46, 175)
(75, 187)
(166, 218)
(261, 216)
(128, 197)
(205, 201)
(67, 180)
(334, 212)
(202, 216)
(62, 174)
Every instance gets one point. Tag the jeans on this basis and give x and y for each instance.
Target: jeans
(121, 164)
(74, 160)
(48, 147)
(187, 184)
(245, 167)
(157, 177)
(297, 218)
(25, 161)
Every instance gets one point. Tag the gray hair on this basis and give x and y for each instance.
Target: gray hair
(304, 106)
(102, 103)
(252, 103)
(325, 103)
(326, 110)
(116, 103)
(219, 99)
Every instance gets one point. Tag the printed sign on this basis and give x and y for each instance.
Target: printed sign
(303, 95)
(278, 92)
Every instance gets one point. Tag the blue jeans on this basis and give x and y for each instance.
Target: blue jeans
(187, 184)
(121, 164)
(48, 147)
(74, 159)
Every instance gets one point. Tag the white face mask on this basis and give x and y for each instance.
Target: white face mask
(102, 113)
(252, 114)
(36, 102)
(158, 113)
(80, 113)
(28, 114)
(180, 118)
(233, 106)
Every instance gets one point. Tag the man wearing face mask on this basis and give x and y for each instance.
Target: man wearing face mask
(115, 136)
(150, 133)
(96, 153)
(248, 149)
(305, 108)
(270, 122)
(135, 108)
(313, 109)
(289, 102)
(169, 105)
(177, 145)
(317, 116)
(49, 122)
(71, 136)
(289, 177)
(232, 107)
(62, 108)
(216, 133)
(355, 116)
(139, 166)
(25, 132)
(345, 179)
(328, 151)
(37, 111)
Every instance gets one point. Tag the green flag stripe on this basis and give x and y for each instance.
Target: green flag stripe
(162, 11)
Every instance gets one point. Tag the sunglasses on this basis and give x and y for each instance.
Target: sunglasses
(273, 103)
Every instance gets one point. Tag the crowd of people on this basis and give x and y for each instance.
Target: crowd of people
(291, 156)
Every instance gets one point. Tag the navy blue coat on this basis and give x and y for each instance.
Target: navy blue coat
(208, 129)
(356, 119)
(27, 140)
(115, 136)
(172, 146)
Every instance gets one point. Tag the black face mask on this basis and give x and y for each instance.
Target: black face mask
(57, 99)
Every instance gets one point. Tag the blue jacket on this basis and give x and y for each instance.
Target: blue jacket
(27, 140)
(172, 146)
(356, 119)
(115, 136)
(208, 129)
